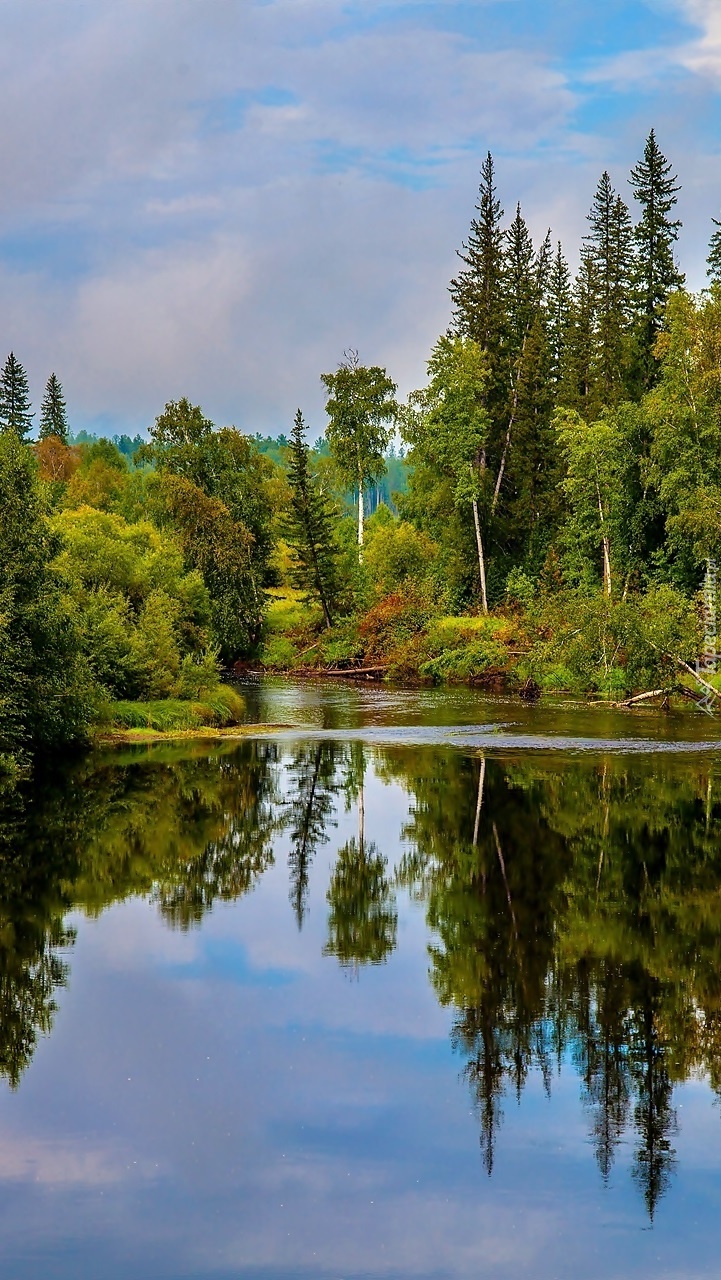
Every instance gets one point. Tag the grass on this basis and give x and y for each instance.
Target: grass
(217, 708)
(204, 733)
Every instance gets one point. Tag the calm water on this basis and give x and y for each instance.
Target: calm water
(426, 986)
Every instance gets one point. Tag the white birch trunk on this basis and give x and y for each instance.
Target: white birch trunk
(481, 557)
(606, 546)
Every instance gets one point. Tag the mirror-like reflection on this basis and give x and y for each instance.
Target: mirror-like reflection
(572, 907)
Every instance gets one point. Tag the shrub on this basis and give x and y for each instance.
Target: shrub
(278, 653)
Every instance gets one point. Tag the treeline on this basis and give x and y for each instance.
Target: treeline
(564, 454)
(558, 496)
(126, 587)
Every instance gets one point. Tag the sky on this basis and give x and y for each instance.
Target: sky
(216, 198)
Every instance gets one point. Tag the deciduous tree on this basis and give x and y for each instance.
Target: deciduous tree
(362, 410)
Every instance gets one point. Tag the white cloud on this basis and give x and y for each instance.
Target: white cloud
(170, 223)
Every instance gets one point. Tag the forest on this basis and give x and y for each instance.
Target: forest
(539, 517)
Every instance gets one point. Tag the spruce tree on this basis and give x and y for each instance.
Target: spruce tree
(656, 190)
(579, 389)
(713, 262)
(310, 532)
(520, 283)
(477, 291)
(15, 412)
(610, 244)
(53, 411)
(558, 313)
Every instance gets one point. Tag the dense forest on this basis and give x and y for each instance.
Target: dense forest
(539, 516)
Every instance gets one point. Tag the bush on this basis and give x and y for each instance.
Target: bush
(397, 553)
(138, 613)
(520, 589)
(464, 663)
(278, 653)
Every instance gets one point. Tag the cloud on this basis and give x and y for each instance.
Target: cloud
(216, 200)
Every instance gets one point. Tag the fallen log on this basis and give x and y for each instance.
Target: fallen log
(642, 697)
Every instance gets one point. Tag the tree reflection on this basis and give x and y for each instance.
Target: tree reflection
(577, 913)
(311, 801)
(362, 916)
(185, 831)
(574, 909)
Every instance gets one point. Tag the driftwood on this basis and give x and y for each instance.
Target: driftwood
(353, 671)
(643, 697)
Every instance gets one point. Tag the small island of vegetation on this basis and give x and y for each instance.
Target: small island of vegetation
(538, 517)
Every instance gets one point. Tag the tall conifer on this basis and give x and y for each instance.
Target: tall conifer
(310, 525)
(53, 411)
(520, 283)
(579, 389)
(610, 243)
(477, 291)
(15, 412)
(713, 262)
(656, 190)
(558, 312)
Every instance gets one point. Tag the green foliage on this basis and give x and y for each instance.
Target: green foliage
(685, 413)
(472, 659)
(278, 653)
(398, 553)
(520, 588)
(45, 690)
(714, 254)
(214, 491)
(361, 410)
(138, 612)
(615, 648)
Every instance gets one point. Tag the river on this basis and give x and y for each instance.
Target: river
(427, 985)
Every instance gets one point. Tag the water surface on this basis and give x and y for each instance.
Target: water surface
(427, 986)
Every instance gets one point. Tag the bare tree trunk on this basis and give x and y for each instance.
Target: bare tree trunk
(481, 557)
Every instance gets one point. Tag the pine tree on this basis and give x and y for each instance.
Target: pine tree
(610, 244)
(310, 531)
(558, 313)
(15, 412)
(714, 254)
(53, 411)
(477, 291)
(656, 190)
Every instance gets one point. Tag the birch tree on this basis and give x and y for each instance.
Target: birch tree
(447, 425)
(362, 411)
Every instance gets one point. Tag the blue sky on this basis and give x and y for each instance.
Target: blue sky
(215, 199)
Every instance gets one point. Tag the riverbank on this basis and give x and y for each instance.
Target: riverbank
(588, 647)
